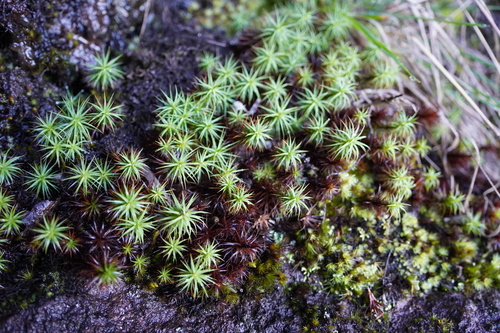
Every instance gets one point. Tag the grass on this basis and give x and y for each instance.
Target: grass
(452, 67)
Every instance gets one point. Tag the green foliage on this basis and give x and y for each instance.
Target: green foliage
(107, 115)
(219, 153)
(293, 201)
(74, 150)
(400, 182)
(361, 117)
(342, 92)
(275, 89)
(5, 201)
(422, 147)
(180, 218)
(158, 194)
(194, 277)
(473, 224)
(55, 151)
(431, 178)
(128, 202)
(47, 128)
(173, 248)
(336, 25)
(130, 165)
(305, 76)
(106, 271)
(11, 221)
(41, 180)
(76, 121)
(227, 70)
(201, 166)
(72, 244)
(139, 264)
(209, 128)
(267, 59)
(291, 138)
(288, 155)
(240, 199)
(105, 174)
(281, 117)
(249, 84)
(183, 143)
(385, 76)
(347, 142)
(389, 148)
(256, 135)
(276, 30)
(453, 201)
(84, 176)
(165, 275)
(395, 205)
(178, 167)
(214, 93)
(404, 125)
(208, 254)
(208, 62)
(51, 233)
(9, 169)
(228, 183)
(3, 262)
(134, 226)
(314, 102)
(105, 72)
(265, 172)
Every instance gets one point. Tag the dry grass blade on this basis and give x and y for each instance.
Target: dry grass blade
(457, 85)
(459, 71)
(486, 12)
(481, 37)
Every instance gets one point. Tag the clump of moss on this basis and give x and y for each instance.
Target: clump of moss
(291, 137)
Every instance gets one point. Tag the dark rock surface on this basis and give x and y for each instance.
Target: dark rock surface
(124, 308)
(130, 309)
(457, 312)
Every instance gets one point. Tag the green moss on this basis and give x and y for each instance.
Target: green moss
(266, 273)
(282, 137)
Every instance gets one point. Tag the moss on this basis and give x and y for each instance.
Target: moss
(266, 272)
(351, 188)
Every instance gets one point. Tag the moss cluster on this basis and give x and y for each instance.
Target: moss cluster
(291, 138)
